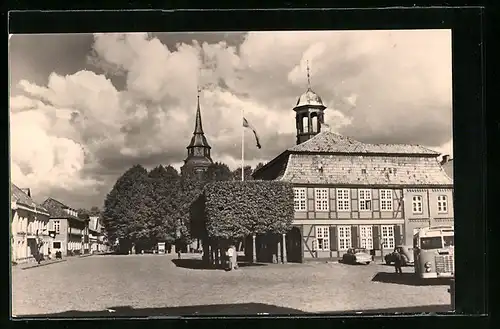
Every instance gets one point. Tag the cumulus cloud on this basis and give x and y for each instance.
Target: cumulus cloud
(135, 100)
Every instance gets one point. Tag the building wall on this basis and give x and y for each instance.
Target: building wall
(24, 226)
(355, 212)
(430, 214)
(334, 251)
(62, 236)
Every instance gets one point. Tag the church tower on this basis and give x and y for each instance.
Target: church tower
(198, 159)
(309, 113)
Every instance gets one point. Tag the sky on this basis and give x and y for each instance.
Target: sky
(86, 107)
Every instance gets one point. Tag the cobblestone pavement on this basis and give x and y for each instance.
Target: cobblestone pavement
(100, 283)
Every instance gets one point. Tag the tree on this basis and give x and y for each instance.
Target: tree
(247, 173)
(95, 211)
(236, 209)
(220, 172)
(124, 212)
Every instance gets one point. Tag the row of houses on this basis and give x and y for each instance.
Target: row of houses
(42, 230)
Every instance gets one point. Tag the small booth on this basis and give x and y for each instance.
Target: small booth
(161, 247)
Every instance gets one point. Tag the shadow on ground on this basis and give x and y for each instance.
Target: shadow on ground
(409, 279)
(228, 310)
(198, 264)
(206, 310)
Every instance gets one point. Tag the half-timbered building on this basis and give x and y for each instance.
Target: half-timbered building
(354, 194)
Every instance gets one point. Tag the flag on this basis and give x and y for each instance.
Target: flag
(247, 125)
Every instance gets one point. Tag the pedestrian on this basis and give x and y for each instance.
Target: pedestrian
(178, 252)
(230, 258)
(398, 262)
(234, 262)
(49, 254)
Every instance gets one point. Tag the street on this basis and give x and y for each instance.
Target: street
(153, 285)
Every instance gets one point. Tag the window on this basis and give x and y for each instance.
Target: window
(344, 237)
(442, 204)
(299, 199)
(322, 238)
(366, 237)
(417, 204)
(57, 226)
(321, 196)
(343, 200)
(56, 245)
(386, 200)
(388, 237)
(365, 200)
(434, 242)
(449, 241)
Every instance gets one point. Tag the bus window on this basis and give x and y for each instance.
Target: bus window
(431, 243)
(449, 241)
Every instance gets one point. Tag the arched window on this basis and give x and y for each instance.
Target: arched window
(305, 124)
(314, 121)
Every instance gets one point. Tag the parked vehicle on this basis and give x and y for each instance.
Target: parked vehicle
(434, 249)
(357, 256)
(406, 253)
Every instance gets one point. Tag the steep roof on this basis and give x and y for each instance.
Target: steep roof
(21, 197)
(329, 142)
(364, 170)
(57, 209)
(448, 168)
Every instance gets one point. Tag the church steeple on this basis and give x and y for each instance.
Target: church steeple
(198, 158)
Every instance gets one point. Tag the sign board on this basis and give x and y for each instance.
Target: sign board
(161, 247)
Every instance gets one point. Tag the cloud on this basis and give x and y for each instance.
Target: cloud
(85, 128)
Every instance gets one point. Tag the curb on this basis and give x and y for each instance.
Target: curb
(86, 255)
(41, 264)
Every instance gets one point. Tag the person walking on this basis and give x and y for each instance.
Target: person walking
(235, 257)
(398, 261)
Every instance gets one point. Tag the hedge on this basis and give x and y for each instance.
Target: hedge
(234, 209)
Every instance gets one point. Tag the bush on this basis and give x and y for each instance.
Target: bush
(235, 209)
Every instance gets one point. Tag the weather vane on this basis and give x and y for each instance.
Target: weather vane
(308, 76)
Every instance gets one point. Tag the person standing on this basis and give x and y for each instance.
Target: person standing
(230, 258)
(398, 262)
(235, 257)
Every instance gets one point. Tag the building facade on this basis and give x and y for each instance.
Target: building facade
(71, 232)
(96, 238)
(354, 194)
(29, 227)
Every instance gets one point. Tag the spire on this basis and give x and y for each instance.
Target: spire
(198, 139)
(198, 128)
(308, 76)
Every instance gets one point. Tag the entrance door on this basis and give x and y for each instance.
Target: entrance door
(294, 245)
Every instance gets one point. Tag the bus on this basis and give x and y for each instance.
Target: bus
(433, 249)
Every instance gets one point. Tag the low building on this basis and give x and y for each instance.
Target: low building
(71, 232)
(29, 227)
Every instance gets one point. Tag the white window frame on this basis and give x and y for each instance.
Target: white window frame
(366, 236)
(386, 200)
(322, 240)
(442, 204)
(417, 205)
(344, 237)
(300, 199)
(365, 199)
(57, 226)
(388, 238)
(343, 198)
(321, 199)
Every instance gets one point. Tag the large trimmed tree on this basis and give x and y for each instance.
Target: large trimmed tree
(230, 210)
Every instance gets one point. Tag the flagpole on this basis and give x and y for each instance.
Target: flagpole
(242, 145)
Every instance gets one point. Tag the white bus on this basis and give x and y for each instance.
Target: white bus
(434, 252)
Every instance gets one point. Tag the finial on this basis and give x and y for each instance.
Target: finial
(308, 76)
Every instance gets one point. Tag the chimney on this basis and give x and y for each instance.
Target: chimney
(445, 159)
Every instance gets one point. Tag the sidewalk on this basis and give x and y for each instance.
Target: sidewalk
(26, 266)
